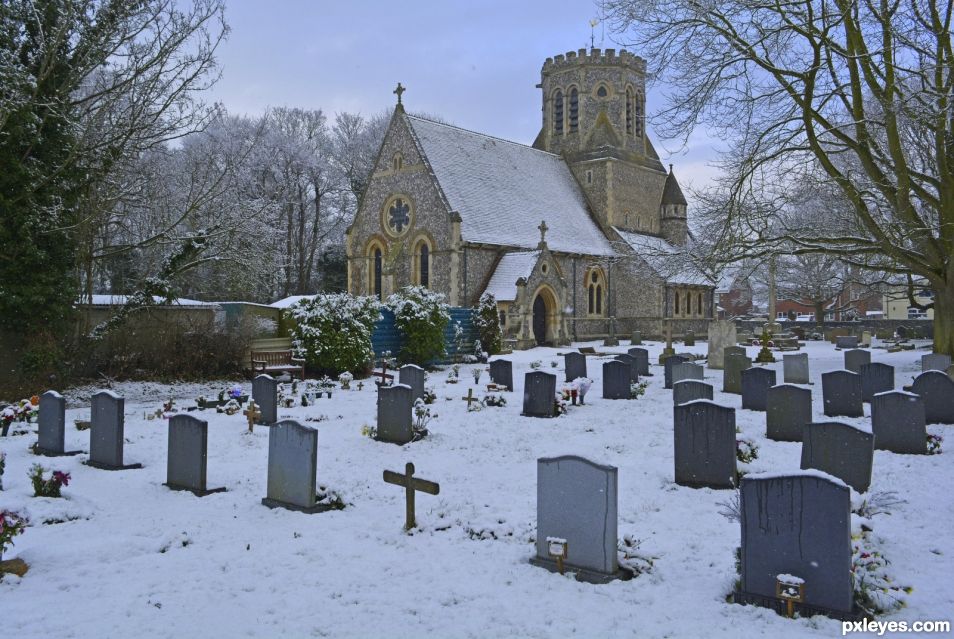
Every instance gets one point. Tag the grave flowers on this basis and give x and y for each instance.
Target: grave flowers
(746, 450)
(345, 380)
(494, 399)
(325, 385)
(476, 373)
(7, 417)
(636, 390)
(933, 446)
(454, 375)
(559, 404)
(582, 385)
(422, 417)
(3, 465)
(47, 487)
(11, 525)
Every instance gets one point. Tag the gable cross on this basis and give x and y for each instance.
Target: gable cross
(543, 231)
(398, 91)
(411, 484)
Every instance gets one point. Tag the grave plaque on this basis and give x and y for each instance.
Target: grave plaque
(539, 394)
(795, 368)
(395, 407)
(756, 382)
(501, 373)
(722, 333)
(841, 394)
(937, 391)
(685, 371)
(690, 390)
(187, 458)
(935, 362)
(897, 421)
(704, 440)
(107, 432)
(788, 410)
(575, 364)
(265, 396)
(841, 450)
(856, 358)
(875, 378)
(51, 426)
(293, 467)
(413, 376)
(616, 376)
(671, 361)
(641, 357)
(732, 375)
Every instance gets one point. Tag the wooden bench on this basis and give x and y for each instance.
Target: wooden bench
(269, 362)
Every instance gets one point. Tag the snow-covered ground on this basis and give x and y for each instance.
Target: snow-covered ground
(133, 558)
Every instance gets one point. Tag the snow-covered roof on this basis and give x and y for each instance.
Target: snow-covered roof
(668, 261)
(290, 301)
(503, 190)
(512, 266)
(119, 300)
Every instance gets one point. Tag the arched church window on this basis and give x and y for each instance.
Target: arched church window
(629, 111)
(595, 292)
(378, 268)
(601, 91)
(638, 116)
(558, 112)
(676, 310)
(424, 265)
(397, 162)
(699, 304)
(599, 300)
(574, 109)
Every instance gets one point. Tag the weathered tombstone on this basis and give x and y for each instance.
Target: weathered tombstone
(187, 459)
(413, 376)
(866, 339)
(577, 504)
(734, 364)
(293, 467)
(787, 409)
(690, 338)
(855, 359)
(795, 368)
(875, 378)
(539, 394)
(687, 370)
(846, 341)
(501, 373)
(756, 382)
(636, 339)
(935, 362)
(632, 364)
(733, 350)
(616, 376)
(51, 426)
(641, 355)
(841, 450)
(107, 432)
(722, 333)
(841, 394)
(937, 390)
(671, 361)
(395, 407)
(265, 395)
(690, 390)
(575, 364)
(704, 445)
(897, 421)
(796, 524)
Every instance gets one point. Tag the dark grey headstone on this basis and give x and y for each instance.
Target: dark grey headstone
(107, 432)
(733, 350)
(51, 425)
(841, 450)
(539, 394)
(187, 459)
(636, 338)
(875, 378)
(265, 395)
(412, 375)
(395, 408)
(576, 501)
(935, 362)
(292, 466)
(798, 524)
(856, 358)
(616, 375)
(795, 368)
(632, 364)
(734, 364)
(690, 390)
(501, 373)
(787, 409)
(841, 394)
(690, 338)
(846, 341)
(641, 356)
(704, 439)
(671, 361)
(687, 370)
(756, 382)
(937, 390)
(575, 364)
(897, 421)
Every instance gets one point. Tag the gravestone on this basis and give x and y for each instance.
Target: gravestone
(501, 373)
(265, 396)
(756, 382)
(856, 358)
(51, 426)
(413, 376)
(722, 333)
(841, 394)
(539, 394)
(797, 524)
(690, 338)
(577, 502)
(575, 364)
(641, 356)
(616, 376)
(866, 339)
(632, 364)
(935, 362)
(875, 378)
(787, 409)
(732, 373)
(846, 341)
(795, 368)
(687, 370)
(897, 421)
(669, 362)
(636, 339)
(690, 390)
(107, 432)
(187, 459)
(395, 407)
(841, 450)
(937, 391)
(704, 445)
(293, 467)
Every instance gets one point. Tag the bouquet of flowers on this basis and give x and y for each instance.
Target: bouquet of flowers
(345, 380)
(43, 487)
(11, 525)
(746, 450)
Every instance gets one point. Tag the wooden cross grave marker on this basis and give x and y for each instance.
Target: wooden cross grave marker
(470, 397)
(411, 484)
(383, 374)
(253, 414)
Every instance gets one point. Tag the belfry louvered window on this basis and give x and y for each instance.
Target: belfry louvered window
(574, 110)
(558, 112)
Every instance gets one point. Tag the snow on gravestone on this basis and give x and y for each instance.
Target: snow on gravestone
(875, 378)
(395, 407)
(935, 362)
(735, 363)
(265, 396)
(797, 524)
(107, 432)
(51, 426)
(838, 449)
(575, 365)
(686, 370)
(898, 422)
(841, 394)
(501, 373)
(704, 445)
(631, 366)
(641, 357)
(937, 390)
(539, 394)
(722, 333)
(795, 368)
(846, 341)
(855, 359)
(412, 375)
(576, 501)
(616, 376)
(689, 390)
(187, 457)
(755, 384)
(787, 409)
(668, 364)
(292, 467)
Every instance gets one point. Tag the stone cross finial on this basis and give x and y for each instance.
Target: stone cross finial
(543, 231)
(398, 91)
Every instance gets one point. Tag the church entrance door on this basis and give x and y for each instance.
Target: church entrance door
(540, 320)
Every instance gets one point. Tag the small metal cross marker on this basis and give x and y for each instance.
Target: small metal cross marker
(253, 414)
(470, 397)
(543, 230)
(383, 374)
(398, 91)
(411, 484)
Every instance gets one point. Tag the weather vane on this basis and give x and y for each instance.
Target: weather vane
(593, 23)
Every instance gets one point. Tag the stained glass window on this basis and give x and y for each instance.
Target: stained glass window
(399, 215)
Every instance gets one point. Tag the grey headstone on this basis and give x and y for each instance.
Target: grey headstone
(841, 394)
(632, 364)
(395, 408)
(575, 364)
(636, 339)
(722, 333)
(897, 421)
(107, 431)
(616, 376)
(641, 355)
(841, 450)
(690, 390)
(875, 378)
(734, 364)
(292, 466)
(756, 382)
(576, 501)
(539, 394)
(265, 396)
(671, 361)
(187, 459)
(51, 424)
(795, 368)
(501, 373)
(846, 341)
(690, 338)
(687, 370)
(412, 375)
(937, 390)
(787, 409)
(935, 362)
(856, 358)
(704, 445)
(798, 524)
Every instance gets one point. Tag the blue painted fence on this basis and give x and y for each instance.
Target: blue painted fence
(386, 336)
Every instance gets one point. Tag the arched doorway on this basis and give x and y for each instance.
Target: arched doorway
(540, 319)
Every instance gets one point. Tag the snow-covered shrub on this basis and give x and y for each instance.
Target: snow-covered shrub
(876, 592)
(333, 331)
(637, 389)
(421, 315)
(487, 323)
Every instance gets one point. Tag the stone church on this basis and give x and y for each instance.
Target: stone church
(581, 235)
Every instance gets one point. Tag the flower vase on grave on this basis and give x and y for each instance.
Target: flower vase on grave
(573, 394)
(765, 355)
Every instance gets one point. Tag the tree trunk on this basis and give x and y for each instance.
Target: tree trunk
(820, 313)
(944, 319)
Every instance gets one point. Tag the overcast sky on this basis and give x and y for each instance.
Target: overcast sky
(475, 64)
